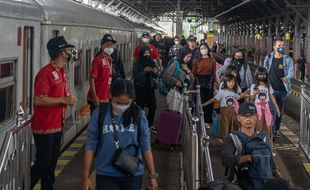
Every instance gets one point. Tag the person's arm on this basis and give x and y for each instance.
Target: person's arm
(291, 71)
(159, 62)
(49, 101)
(222, 68)
(208, 102)
(146, 149)
(88, 160)
(228, 157)
(93, 90)
(195, 67)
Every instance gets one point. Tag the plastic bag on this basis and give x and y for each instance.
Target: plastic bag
(175, 100)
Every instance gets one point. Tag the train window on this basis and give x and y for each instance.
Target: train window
(6, 70)
(88, 63)
(78, 71)
(55, 33)
(7, 90)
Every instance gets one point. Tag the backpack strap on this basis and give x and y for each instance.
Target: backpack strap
(103, 107)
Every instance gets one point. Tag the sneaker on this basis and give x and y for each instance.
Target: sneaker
(153, 129)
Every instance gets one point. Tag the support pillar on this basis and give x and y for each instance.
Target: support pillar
(179, 19)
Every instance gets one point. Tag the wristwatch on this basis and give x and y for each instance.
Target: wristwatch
(153, 176)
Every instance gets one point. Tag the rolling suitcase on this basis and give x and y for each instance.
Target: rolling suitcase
(169, 127)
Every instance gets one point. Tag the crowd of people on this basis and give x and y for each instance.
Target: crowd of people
(250, 108)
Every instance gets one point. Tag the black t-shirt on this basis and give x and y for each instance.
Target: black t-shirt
(276, 72)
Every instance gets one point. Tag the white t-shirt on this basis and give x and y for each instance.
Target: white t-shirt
(226, 98)
(264, 95)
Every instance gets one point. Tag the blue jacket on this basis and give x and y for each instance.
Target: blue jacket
(127, 135)
(288, 69)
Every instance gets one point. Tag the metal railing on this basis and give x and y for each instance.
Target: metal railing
(195, 143)
(15, 160)
(304, 124)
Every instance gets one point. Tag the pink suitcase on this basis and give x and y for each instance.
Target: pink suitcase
(169, 128)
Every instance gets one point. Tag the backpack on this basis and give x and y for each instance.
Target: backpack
(103, 107)
(163, 87)
(253, 175)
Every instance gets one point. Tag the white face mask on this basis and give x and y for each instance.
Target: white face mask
(145, 40)
(204, 52)
(120, 108)
(108, 51)
(177, 42)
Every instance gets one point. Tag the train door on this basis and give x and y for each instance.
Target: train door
(27, 70)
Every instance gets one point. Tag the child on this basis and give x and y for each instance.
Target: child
(261, 94)
(228, 97)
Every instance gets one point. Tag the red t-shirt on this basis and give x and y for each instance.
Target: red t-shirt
(154, 52)
(102, 72)
(52, 83)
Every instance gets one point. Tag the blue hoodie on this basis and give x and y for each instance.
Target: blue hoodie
(127, 135)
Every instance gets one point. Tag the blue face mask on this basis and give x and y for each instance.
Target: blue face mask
(281, 50)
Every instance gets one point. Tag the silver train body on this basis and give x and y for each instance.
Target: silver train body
(25, 28)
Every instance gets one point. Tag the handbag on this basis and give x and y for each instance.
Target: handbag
(175, 100)
(122, 160)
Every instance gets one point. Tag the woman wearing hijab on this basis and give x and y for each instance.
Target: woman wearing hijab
(145, 74)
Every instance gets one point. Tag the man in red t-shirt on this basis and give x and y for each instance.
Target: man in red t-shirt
(51, 97)
(101, 74)
(146, 42)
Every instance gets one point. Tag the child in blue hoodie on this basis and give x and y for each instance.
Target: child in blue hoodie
(126, 115)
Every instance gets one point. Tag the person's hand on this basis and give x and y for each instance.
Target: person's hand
(154, 70)
(249, 158)
(69, 100)
(284, 79)
(184, 67)
(97, 101)
(86, 184)
(147, 69)
(153, 184)
(178, 84)
(257, 92)
(278, 112)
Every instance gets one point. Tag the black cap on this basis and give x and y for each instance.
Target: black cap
(107, 38)
(191, 38)
(145, 34)
(247, 108)
(56, 44)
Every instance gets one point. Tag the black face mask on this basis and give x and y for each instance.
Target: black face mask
(240, 60)
(262, 79)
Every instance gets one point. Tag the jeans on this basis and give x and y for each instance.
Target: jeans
(47, 152)
(281, 98)
(118, 183)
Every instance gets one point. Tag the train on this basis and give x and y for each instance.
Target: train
(26, 26)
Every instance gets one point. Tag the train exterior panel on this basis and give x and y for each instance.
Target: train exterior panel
(27, 27)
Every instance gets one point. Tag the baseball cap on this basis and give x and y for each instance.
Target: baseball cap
(145, 34)
(247, 107)
(107, 38)
(191, 38)
(56, 44)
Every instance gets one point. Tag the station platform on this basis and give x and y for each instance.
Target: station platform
(168, 163)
